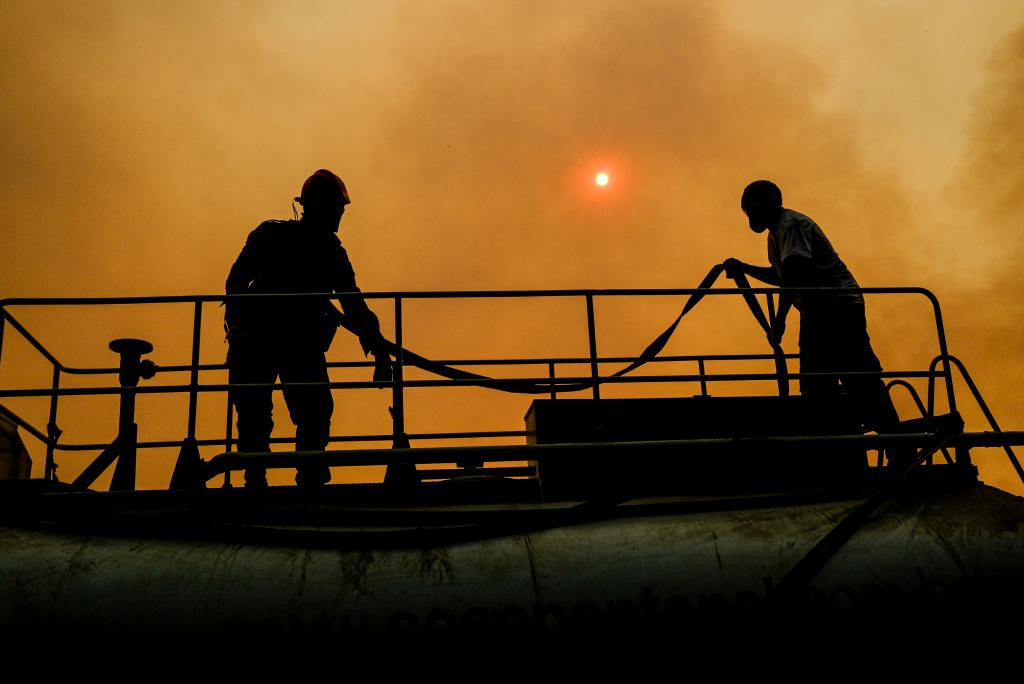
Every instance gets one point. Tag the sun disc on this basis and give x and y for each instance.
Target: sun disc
(602, 179)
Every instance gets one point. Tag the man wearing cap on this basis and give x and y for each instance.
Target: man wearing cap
(288, 337)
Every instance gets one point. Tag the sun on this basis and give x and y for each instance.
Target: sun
(602, 179)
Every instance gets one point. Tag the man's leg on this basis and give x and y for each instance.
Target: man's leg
(869, 393)
(817, 356)
(310, 409)
(254, 407)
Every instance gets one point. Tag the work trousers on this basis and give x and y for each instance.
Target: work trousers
(834, 339)
(310, 408)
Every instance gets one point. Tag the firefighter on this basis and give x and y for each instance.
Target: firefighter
(288, 337)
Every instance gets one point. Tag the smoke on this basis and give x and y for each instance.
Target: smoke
(993, 184)
(987, 311)
(145, 141)
(499, 139)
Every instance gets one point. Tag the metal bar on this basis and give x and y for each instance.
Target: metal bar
(567, 380)
(946, 373)
(183, 368)
(456, 435)
(664, 448)
(944, 351)
(920, 407)
(575, 360)
(592, 340)
(3, 324)
(551, 374)
(197, 325)
(52, 431)
(770, 305)
(455, 473)
(988, 414)
(125, 468)
(228, 437)
(398, 387)
(931, 386)
(943, 356)
(164, 444)
(96, 468)
(32, 340)
(446, 294)
(228, 427)
(970, 439)
(69, 370)
(703, 380)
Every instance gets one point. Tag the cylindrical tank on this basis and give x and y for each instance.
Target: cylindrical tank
(661, 564)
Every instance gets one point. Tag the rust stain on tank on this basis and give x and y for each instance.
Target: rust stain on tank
(354, 569)
(77, 564)
(435, 565)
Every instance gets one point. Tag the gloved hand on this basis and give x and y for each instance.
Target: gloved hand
(733, 267)
(382, 369)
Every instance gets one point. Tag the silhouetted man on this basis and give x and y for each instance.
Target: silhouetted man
(288, 336)
(833, 328)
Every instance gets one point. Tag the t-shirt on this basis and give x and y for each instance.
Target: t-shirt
(798, 235)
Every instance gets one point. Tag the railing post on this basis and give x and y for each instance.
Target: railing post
(193, 393)
(703, 381)
(187, 472)
(770, 305)
(52, 431)
(3, 324)
(398, 388)
(592, 336)
(770, 301)
(930, 409)
(551, 374)
(133, 368)
(228, 440)
(940, 329)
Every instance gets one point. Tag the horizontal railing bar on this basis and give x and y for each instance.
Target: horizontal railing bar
(362, 457)
(448, 473)
(981, 440)
(446, 294)
(163, 444)
(466, 362)
(557, 383)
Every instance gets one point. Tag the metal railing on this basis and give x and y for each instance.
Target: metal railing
(549, 366)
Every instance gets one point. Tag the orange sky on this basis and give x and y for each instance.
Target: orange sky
(144, 140)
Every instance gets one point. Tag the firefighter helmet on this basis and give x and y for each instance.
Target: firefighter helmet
(323, 188)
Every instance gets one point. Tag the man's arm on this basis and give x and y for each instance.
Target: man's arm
(355, 306)
(243, 272)
(797, 271)
(779, 323)
(766, 274)
(245, 268)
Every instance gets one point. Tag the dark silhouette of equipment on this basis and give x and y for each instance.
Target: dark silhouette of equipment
(122, 449)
